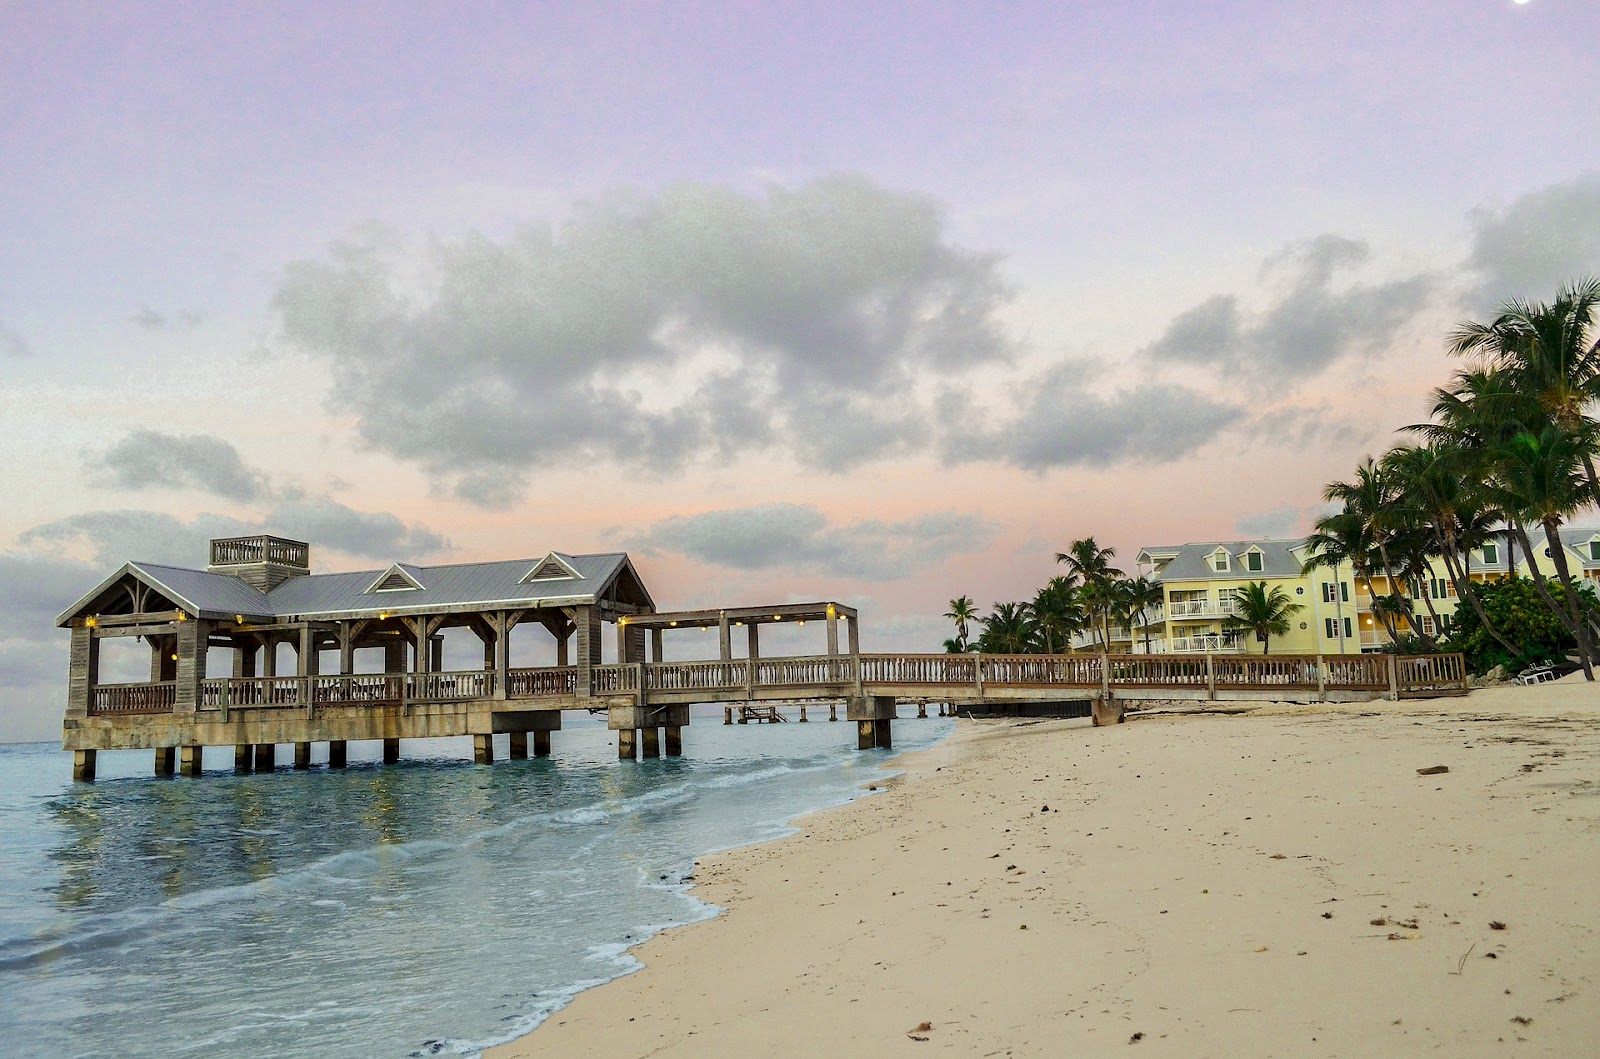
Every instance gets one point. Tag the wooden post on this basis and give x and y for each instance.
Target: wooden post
(190, 760)
(391, 751)
(541, 742)
(833, 635)
(1322, 680)
(657, 646)
(166, 760)
(833, 711)
(753, 638)
(1394, 678)
(83, 675)
(83, 765)
(727, 715)
(1105, 675)
(518, 750)
(977, 668)
(882, 734)
(866, 735)
(627, 745)
(1211, 678)
(241, 757)
(922, 711)
(191, 667)
(338, 753)
(589, 648)
(724, 636)
(674, 740)
(266, 756)
(652, 741)
(802, 713)
(483, 749)
(302, 756)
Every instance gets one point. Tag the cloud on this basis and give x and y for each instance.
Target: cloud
(147, 459)
(1063, 424)
(33, 653)
(652, 331)
(12, 344)
(799, 537)
(1278, 522)
(376, 535)
(1536, 244)
(182, 320)
(1313, 320)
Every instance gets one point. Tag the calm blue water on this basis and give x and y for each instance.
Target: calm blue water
(431, 907)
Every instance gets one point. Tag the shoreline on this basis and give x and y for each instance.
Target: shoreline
(1198, 884)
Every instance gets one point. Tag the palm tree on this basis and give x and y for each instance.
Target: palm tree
(1552, 362)
(1057, 613)
(1008, 630)
(962, 610)
(1090, 564)
(1536, 480)
(1344, 537)
(1138, 596)
(1262, 611)
(1369, 500)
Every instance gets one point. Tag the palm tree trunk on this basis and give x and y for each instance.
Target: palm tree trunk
(1541, 584)
(1580, 626)
(1462, 576)
(1427, 601)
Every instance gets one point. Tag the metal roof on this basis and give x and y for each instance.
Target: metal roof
(498, 584)
(1193, 561)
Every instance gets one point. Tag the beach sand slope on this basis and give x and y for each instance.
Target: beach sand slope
(1278, 882)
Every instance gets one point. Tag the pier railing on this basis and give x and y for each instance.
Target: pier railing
(825, 676)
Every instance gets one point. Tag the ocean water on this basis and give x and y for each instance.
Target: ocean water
(432, 907)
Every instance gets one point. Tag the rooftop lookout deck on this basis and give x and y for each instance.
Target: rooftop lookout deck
(292, 641)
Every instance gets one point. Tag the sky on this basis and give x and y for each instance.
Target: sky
(880, 303)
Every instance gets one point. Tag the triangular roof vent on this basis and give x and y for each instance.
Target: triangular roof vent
(395, 579)
(553, 568)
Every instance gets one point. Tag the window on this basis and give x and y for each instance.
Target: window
(1344, 591)
(1491, 553)
(1594, 549)
(1347, 634)
(1427, 625)
(1441, 588)
(1252, 561)
(1219, 562)
(1330, 626)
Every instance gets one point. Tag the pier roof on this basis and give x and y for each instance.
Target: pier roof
(553, 580)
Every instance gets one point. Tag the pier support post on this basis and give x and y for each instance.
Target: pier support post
(652, 742)
(922, 711)
(83, 765)
(1105, 710)
(242, 757)
(302, 756)
(865, 735)
(674, 740)
(190, 760)
(483, 750)
(266, 756)
(873, 715)
(518, 750)
(338, 753)
(803, 718)
(166, 760)
(727, 715)
(627, 749)
(541, 742)
(743, 719)
(391, 751)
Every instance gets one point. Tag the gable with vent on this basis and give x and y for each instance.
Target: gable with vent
(395, 579)
(552, 568)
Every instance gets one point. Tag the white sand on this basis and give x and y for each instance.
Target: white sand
(1208, 883)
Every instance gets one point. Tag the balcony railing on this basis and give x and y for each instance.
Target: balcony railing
(1201, 608)
(1207, 645)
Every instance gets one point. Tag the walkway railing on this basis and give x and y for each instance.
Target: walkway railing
(827, 676)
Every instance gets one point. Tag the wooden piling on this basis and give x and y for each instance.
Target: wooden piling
(191, 760)
(302, 756)
(266, 756)
(483, 749)
(391, 751)
(833, 712)
(727, 715)
(627, 745)
(803, 717)
(652, 742)
(242, 757)
(541, 742)
(922, 711)
(338, 753)
(83, 765)
(518, 750)
(674, 741)
(166, 760)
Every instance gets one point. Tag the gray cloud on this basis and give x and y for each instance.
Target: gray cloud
(12, 344)
(1313, 322)
(150, 459)
(182, 320)
(797, 536)
(1277, 522)
(377, 535)
(33, 653)
(1061, 424)
(793, 319)
(1536, 244)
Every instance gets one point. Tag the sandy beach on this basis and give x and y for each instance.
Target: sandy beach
(1278, 881)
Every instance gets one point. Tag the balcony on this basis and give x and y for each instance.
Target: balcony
(1201, 608)
(1207, 644)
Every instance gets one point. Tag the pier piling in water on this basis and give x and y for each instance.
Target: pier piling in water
(652, 742)
(83, 765)
(241, 757)
(338, 754)
(518, 749)
(674, 740)
(541, 742)
(483, 750)
(191, 760)
(391, 751)
(166, 760)
(627, 748)
(266, 757)
(302, 756)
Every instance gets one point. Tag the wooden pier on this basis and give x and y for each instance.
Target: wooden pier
(258, 596)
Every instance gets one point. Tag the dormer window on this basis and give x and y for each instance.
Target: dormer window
(1491, 554)
(1594, 549)
(395, 579)
(1221, 561)
(1252, 560)
(552, 568)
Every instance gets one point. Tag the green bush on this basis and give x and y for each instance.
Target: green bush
(1520, 615)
